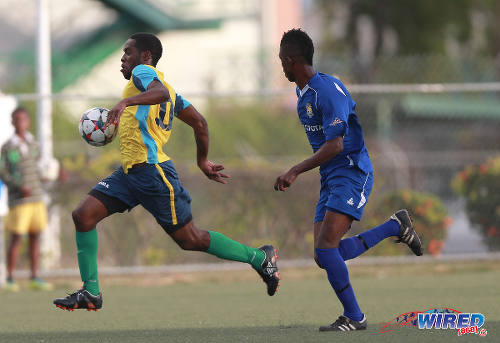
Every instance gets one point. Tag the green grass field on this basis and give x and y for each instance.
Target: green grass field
(233, 307)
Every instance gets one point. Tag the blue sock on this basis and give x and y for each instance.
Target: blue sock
(338, 276)
(352, 247)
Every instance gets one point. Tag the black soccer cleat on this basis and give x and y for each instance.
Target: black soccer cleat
(81, 299)
(345, 324)
(269, 271)
(406, 232)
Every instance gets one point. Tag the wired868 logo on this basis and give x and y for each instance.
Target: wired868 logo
(440, 318)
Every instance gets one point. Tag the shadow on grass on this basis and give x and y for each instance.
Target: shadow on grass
(294, 333)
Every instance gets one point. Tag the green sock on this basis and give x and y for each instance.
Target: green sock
(224, 247)
(86, 243)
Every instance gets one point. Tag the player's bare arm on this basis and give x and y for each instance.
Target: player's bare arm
(155, 94)
(327, 151)
(193, 118)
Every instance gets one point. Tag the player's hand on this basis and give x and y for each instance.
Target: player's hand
(213, 171)
(285, 180)
(114, 114)
(26, 192)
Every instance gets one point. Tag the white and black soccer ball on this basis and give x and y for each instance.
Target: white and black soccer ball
(91, 127)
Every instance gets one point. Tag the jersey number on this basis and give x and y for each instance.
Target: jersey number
(163, 109)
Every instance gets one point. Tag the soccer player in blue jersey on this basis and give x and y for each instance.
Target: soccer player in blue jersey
(148, 177)
(326, 110)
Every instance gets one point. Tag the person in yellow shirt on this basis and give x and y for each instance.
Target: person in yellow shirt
(148, 177)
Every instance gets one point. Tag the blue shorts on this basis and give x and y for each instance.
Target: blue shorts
(155, 186)
(345, 190)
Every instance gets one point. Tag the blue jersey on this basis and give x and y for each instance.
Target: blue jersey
(326, 110)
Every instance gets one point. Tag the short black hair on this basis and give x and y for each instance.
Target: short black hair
(299, 41)
(147, 41)
(17, 110)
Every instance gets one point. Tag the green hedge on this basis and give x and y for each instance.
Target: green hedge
(480, 186)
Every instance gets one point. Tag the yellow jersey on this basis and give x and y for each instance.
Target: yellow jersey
(144, 129)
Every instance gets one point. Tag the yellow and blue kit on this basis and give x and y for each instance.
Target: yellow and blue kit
(147, 176)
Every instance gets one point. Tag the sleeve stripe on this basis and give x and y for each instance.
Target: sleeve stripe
(138, 83)
(339, 89)
(180, 104)
(142, 76)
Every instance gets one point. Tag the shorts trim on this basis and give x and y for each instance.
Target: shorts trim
(170, 228)
(331, 209)
(112, 204)
(172, 194)
(341, 211)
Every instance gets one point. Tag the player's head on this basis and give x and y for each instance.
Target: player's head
(140, 48)
(296, 48)
(21, 120)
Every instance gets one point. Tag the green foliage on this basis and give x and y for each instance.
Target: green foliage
(93, 168)
(420, 27)
(243, 132)
(480, 186)
(422, 32)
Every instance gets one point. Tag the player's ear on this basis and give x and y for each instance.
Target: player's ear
(147, 57)
(289, 59)
(296, 59)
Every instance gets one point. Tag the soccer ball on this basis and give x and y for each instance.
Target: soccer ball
(91, 127)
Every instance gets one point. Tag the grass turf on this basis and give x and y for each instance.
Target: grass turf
(234, 307)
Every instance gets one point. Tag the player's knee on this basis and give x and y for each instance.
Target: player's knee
(190, 244)
(195, 240)
(186, 245)
(317, 261)
(15, 239)
(83, 222)
(331, 242)
(77, 217)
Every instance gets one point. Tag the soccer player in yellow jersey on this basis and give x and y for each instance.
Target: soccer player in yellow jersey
(148, 177)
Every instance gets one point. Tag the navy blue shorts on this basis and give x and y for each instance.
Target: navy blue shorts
(346, 191)
(155, 186)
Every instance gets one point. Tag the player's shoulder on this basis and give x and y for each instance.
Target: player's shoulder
(325, 80)
(144, 69)
(5, 146)
(329, 85)
(10, 142)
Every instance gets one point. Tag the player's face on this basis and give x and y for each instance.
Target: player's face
(287, 64)
(21, 121)
(131, 58)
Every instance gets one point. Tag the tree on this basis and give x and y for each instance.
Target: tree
(421, 26)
